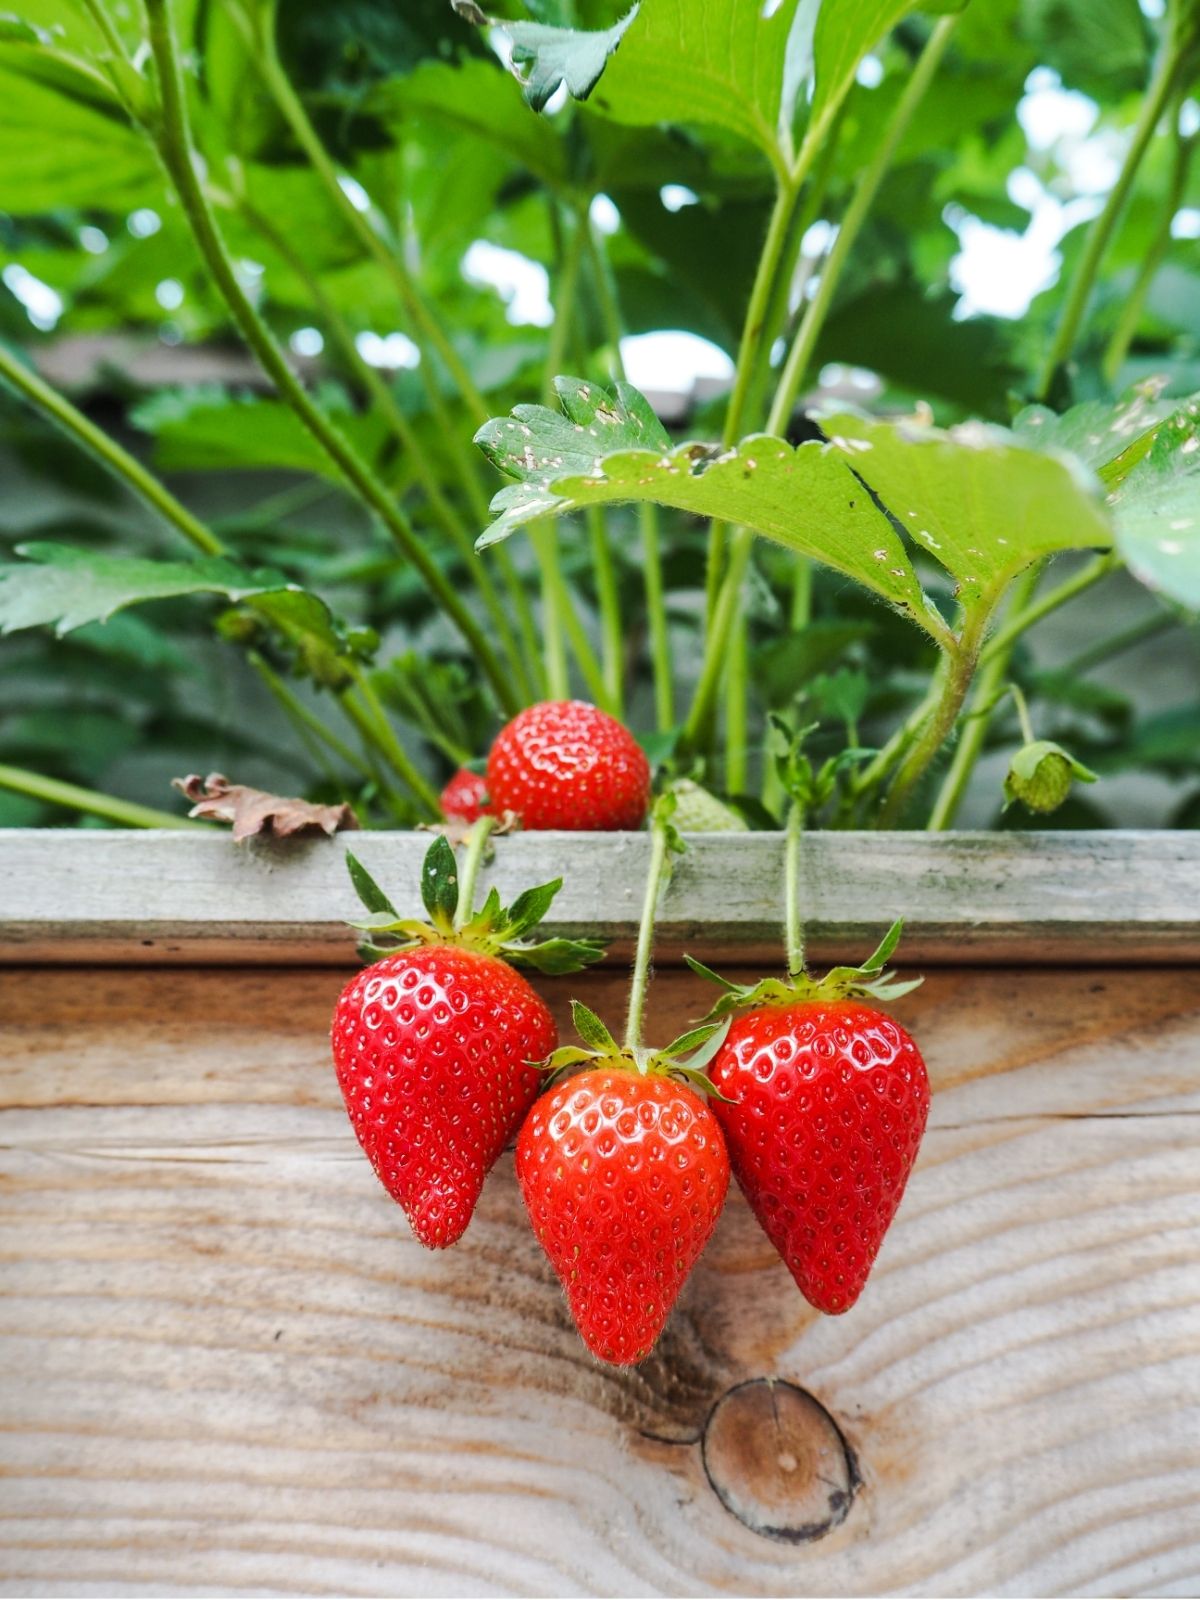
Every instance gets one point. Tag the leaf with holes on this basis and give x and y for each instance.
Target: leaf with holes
(605, 451)
(974, 498)
(1156, 509)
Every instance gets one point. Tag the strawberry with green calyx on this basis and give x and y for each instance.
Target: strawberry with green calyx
(622, 1167)
(1041, 773)
(824, 1102)
(434, 1043)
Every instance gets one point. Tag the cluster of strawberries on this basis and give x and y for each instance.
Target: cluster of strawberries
(623, 1153)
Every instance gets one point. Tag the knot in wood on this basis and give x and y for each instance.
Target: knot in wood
(778, 1462)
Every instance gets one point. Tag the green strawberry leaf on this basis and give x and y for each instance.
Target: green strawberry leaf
(368, 891)
(64, 587)
(555, 957)
(529, 908)
(805, 497)
(975, 499)
(592, 1031)
(439, 884)
(567, 1055)
(1156, 508)
(700, 1046)
(723, 63)
(1110, 439)
(554, 56)
(537, 444)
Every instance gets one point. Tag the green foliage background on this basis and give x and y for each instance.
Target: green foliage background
(313, 619)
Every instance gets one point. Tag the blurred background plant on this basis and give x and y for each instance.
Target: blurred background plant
(265, 269)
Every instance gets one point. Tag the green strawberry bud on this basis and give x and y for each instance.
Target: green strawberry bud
(1040, 776)
(698, 811)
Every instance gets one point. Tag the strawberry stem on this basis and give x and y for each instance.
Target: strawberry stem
(477, 841)
(793, 925)
(1022, 713)
(660, 835)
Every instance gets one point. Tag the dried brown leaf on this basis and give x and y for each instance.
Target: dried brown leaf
(254, 811)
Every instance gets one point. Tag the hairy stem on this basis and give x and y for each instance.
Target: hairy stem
(1025, 611)
(90, 802)
(793, 923)
(954, 679)
(639, 983)
(468, 877)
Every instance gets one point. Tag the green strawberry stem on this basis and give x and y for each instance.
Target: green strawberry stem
(793, 925)
(660, 841)
(477, 841)
(1022, 713)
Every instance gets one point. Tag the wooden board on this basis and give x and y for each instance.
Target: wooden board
(226, 1367)
(71, 895)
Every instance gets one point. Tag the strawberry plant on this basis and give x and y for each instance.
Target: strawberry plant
(298, 495)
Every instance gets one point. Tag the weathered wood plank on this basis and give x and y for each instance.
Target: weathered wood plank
(227, 1367)
(1076, 897)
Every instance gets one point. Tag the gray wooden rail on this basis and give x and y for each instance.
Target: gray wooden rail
(1078, 898)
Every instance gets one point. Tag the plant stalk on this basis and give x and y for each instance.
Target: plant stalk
(33, 388)
(648, 526)
(794, 925)
(1131, 311)
(91, 802)
(381, 395)
(468, 877)
(172, 136)
(371, 721)
(639, 983)
(1158, 97)
(954, 679)
(867, 187)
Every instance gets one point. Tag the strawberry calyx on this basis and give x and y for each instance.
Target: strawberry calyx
(871, 980)
(494, 930)
(684, 1059)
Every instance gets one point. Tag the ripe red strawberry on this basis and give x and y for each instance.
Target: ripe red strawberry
(826, 1102)
(433, 1049)
(565, 764)
(465, 797)
(624, 1173)
(830, 1102)
(433, 1044)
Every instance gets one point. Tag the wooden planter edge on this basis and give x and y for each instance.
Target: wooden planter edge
(93, 896)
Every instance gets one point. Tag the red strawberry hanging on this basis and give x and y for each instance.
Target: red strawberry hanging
(825, 1103)
(566, 764)
(433, 1043)
(624, 1172)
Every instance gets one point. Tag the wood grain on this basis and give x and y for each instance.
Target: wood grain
(226, 1367)
(87, 896)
